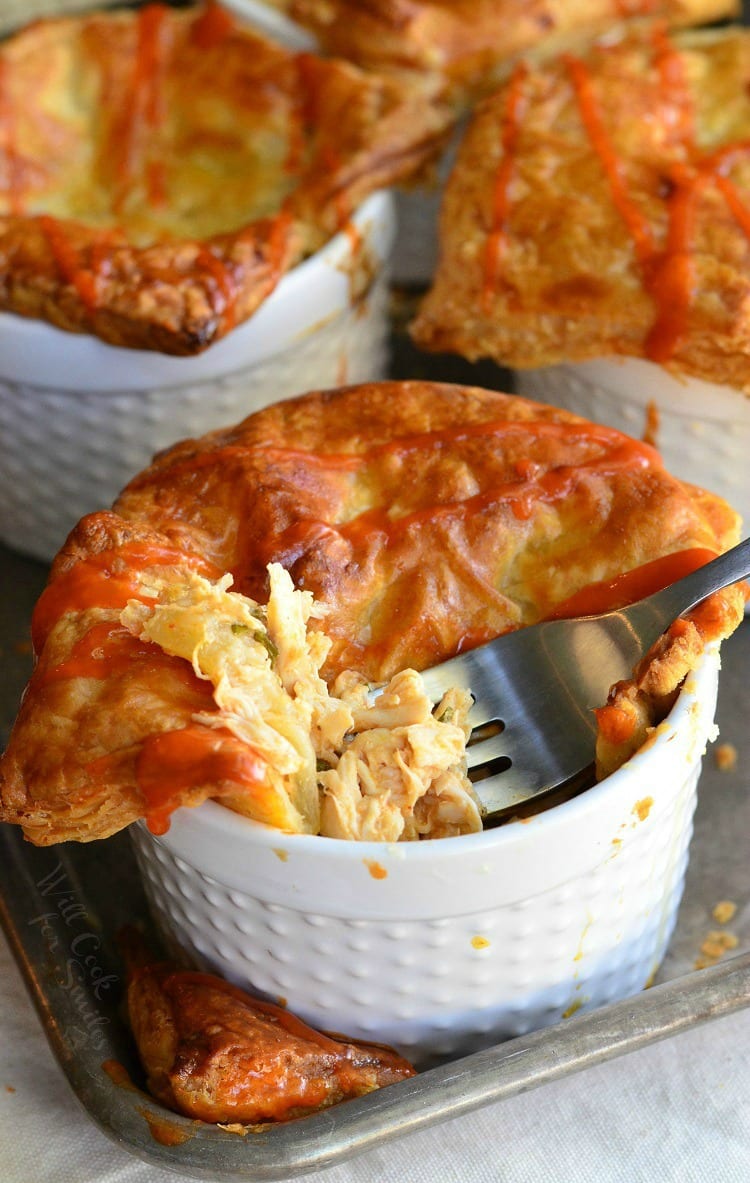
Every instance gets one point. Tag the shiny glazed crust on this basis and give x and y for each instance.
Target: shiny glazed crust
(425, 517)
(161, 170)
(599, 206)
(217, 1054)
(468, 42)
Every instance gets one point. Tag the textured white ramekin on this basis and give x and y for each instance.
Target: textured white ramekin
(78, 417)
(701, 429)
(442, 947)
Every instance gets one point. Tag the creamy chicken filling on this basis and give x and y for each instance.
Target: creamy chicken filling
(339, 763)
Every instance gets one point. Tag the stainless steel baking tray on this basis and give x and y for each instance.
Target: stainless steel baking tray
(62, 907)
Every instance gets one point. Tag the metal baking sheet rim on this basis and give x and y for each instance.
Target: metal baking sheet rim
(64, 950)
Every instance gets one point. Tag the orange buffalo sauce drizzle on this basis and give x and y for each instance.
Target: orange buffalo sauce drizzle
(617, 452)
(108, 650)
(212, 26)
(152, 60)
(668, 273)
(105, 580)
(672, 281)
(624, 589)
(173, 765)
(521, 495)
(66, 258)
(145, 109)
(637, 224)
(497, 238)
(170, 764)
(529, 486)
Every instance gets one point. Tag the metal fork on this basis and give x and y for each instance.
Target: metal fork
(534, 689)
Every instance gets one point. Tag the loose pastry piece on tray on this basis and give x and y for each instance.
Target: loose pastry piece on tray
(160, 169)
(467, 43)
(600, 205)
(407, 521)
(213, 1052)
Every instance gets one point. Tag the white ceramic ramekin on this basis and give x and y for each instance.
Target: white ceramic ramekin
(78, 417)
(272, 22)
(701, 429)
(442, 947)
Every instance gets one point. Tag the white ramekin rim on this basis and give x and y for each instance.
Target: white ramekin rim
(639, 380)
(505, 865)
(39, 354)
(274, 24)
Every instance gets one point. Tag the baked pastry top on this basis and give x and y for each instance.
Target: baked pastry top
(161, 169)
(600, 205)
(218, 1054)
(415, 520)
(468, 42)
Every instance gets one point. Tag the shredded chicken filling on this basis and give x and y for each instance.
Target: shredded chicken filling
(339, 762)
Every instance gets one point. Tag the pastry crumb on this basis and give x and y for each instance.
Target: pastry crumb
(716, 944)
(725, 757)
(724, 911)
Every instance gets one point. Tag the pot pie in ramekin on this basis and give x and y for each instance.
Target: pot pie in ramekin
(79, 416)
(392, 525)
(203, 209)
(163, 168)
(213, 637)
(595, 237)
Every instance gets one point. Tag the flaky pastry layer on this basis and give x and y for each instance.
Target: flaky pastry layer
(467, 43)
(423, 518)
(600, 205)
(160, 170)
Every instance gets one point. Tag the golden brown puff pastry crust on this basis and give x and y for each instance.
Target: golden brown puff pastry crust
(215, 1053)
(160, 170)
(468, 42)
(601, 205)
(425, 517)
